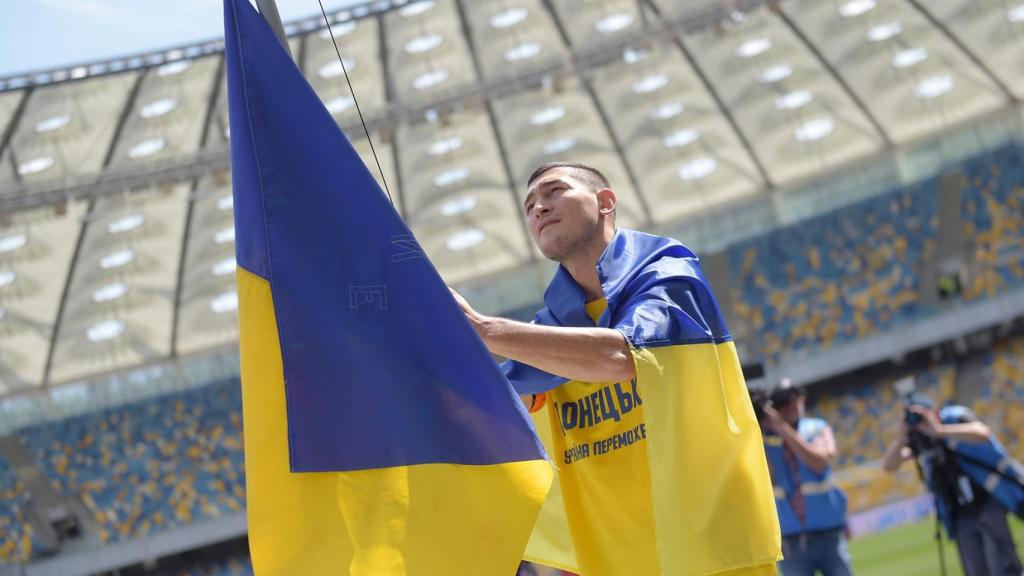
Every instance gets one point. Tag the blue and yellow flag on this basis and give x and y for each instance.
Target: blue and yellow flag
(380, 436)
(665, 474)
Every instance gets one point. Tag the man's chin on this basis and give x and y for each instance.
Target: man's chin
(551, 253)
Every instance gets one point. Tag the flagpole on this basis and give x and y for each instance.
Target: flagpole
(268, 9)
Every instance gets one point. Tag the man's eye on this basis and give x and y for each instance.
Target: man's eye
(529, 208)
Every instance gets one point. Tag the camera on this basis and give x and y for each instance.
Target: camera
(760, 399)
(778, 397)
(911, 418)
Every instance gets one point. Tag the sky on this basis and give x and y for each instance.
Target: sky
(40, 34)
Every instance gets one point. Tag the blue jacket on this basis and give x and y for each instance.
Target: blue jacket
(986, 464)
(824, 502)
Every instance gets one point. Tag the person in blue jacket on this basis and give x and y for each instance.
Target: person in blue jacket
(974, 482)
(812, 509)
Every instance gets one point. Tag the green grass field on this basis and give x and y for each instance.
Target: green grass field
(911, 551)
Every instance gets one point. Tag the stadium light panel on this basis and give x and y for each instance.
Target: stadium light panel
(13, 242)
(35, 165)
(340, 104)
(53, 123)
(430, 79)
(333, 69)
(224, 236)
(909, 57)
(1016, 14)
(883, 32)
(224, 267)
(508, 18)
(146, 148)
(775, 74)
(117, 259)
(105, 330)
(856, 8)
(417, 8)
(445, 145)
(666, 111)
(632, 56)
(697, 169)
(793, 100)
(934, 86)
(224, 303)
(340, 29)
(465, 239)
(753, 47)
(158, 108)
(613, 22)
(422, 44)
(547, 115)
(451, 176)
(126, 224)
(680, 138)
(226, 202)
(650, 84)
(523, 51)
(458, 206)
(110, 292)
(814, 129)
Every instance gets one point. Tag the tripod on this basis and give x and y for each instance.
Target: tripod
(916, 440)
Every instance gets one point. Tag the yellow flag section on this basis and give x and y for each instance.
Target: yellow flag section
(551, 544)
(398, 520)
(708, 503)
(712, 512)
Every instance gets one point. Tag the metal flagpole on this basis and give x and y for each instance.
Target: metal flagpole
(268, 9)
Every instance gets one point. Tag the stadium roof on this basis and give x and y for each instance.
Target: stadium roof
(116, 242)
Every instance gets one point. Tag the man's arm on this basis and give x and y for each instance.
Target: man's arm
(898, 452)
(584, 354)
(817, 454)
(971, 432)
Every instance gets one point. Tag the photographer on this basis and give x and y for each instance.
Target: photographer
(812, 509)
(974, 482)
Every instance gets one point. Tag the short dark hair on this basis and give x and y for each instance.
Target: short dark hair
(589, 175)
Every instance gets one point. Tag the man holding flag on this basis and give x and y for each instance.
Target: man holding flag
(648, 419)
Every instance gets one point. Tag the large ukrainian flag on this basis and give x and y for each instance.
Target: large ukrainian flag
(380, 437)
(712, 507)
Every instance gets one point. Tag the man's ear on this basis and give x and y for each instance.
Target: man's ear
(606, 201)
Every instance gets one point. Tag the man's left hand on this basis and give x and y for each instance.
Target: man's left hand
(930, 425)
(473, 316)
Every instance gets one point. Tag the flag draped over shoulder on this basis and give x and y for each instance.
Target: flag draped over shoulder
(710, 507)
(380, 437)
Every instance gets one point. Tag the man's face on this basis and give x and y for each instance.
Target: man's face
(793, 411)
(562, 214)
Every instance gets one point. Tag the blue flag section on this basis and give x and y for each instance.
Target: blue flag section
(376, 352)
(380, 436)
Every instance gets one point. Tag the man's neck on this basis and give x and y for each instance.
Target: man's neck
(583, 266)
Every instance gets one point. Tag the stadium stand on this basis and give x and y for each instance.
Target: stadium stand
(993, 212)
(1001, 402)
(16, 542)
(838, 277)
(859, 271)
(152, 465)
